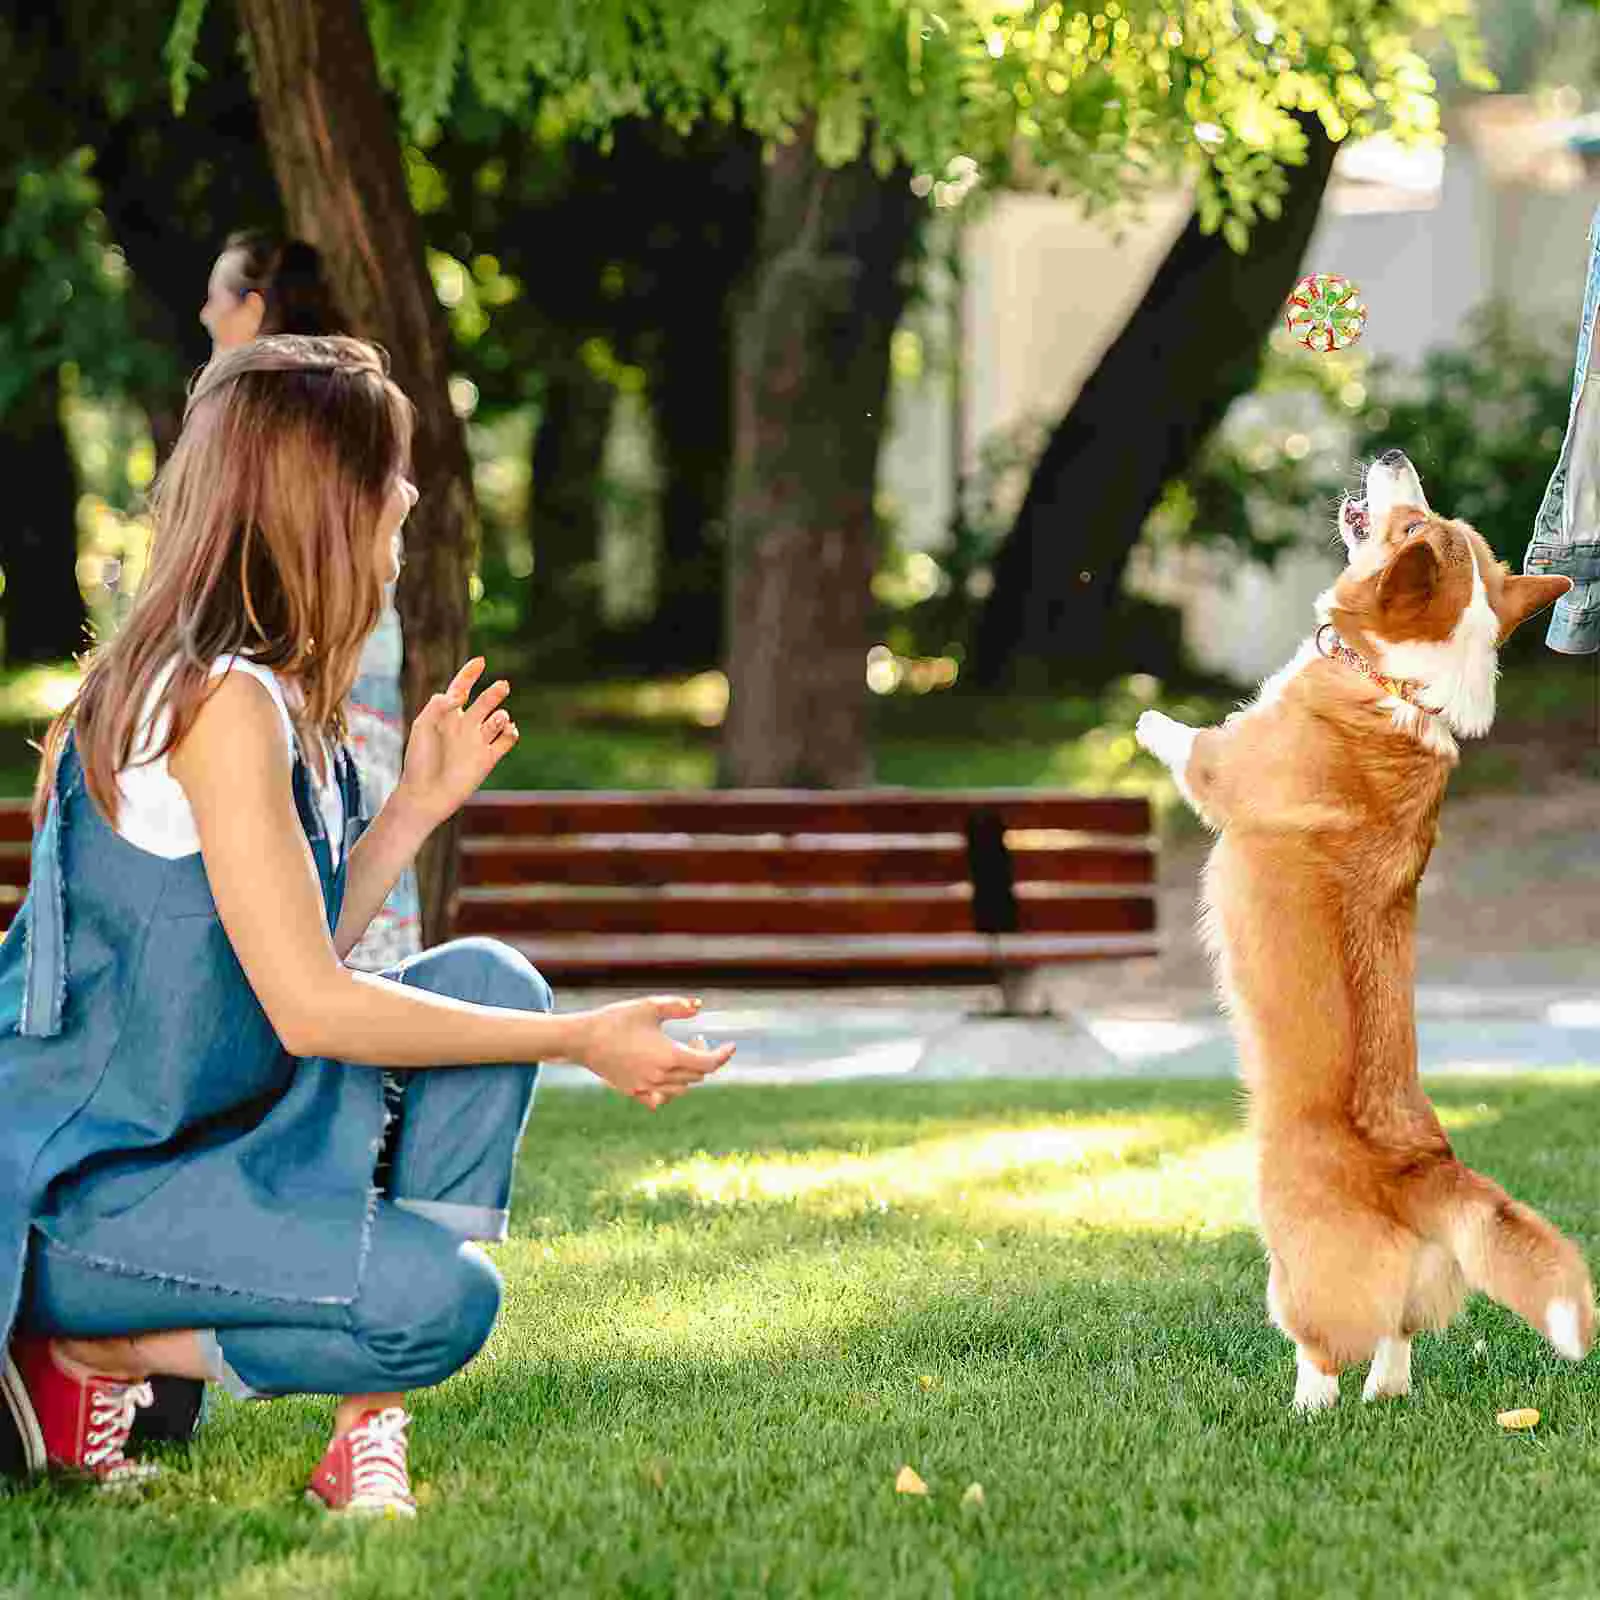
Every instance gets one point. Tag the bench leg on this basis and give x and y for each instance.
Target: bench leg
(1035, 1045)
(1022, 994)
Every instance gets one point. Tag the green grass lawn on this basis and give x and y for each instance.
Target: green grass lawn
(729, 1326)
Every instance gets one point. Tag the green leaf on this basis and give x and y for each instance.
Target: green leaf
(179, 50)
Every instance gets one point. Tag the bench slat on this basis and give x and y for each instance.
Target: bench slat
(838, 961)
(735, 914)
(552, 813)
(503, 863)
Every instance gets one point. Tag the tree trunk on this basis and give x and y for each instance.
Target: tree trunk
(331, 136)
(691, 396)
(42, 605)
(563, 613)
(811, 374)
(1192, 346)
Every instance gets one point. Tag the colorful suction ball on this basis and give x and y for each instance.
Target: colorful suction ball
(1325, 312)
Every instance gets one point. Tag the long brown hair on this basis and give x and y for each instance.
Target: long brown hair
(265, 526)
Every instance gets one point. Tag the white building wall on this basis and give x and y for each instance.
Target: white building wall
(1045, 289)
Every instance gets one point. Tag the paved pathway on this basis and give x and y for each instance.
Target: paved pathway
(813, 1038)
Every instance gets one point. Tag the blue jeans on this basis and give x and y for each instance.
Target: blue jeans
(426, 1298)
(427, 1303)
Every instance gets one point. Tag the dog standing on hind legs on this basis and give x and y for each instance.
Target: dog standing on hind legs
(1324, 793)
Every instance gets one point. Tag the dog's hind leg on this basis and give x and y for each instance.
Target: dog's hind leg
(1390, 1375)
(1436, 1292)
(1316, 1378)
(1338, 1288)
(1432, 1299)
(1314, 1389)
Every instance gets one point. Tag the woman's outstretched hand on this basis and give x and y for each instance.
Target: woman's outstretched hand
(624, 1046)
(455, 745)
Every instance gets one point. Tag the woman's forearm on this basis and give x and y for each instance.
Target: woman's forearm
(372, 1021)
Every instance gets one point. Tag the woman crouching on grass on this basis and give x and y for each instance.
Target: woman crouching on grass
(192, 1081)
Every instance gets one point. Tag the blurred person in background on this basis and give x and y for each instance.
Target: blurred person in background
(264, 284)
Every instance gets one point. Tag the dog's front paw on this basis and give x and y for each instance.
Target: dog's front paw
(1147, 730)
(1165, 739)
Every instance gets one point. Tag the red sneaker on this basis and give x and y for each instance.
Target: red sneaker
(364, 1471)
(84, 1422)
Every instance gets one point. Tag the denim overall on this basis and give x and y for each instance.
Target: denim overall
(1566, 532)
(166, 1163)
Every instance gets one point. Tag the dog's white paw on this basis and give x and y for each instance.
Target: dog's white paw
(1390, 1375)
(1320, 1393)
(1168, 741)
(1314, 1390)
(1147, 730)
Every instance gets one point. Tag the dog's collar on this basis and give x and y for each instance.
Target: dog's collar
(1329, 644)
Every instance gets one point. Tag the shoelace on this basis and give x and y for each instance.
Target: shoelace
(112, 1408)
(378, 1459)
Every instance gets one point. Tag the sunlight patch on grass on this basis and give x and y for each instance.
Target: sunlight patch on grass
(923, 1170)
(798, 1299)
(1204, 1191)
(768, 1254)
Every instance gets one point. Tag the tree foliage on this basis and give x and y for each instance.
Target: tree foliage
(1109, 99)
(64, 281)
(66, 287)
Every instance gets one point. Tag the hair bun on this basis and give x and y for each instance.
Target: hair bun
(300, 260)
(287, 274)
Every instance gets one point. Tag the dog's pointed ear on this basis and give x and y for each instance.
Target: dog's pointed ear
(1524, 597)
(1408, 583)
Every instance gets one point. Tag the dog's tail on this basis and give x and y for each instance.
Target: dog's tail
(1507, 1251)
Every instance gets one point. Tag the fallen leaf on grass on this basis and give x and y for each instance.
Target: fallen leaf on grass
(973, 1495)
(927, 1380)
(909, 1483)
(1524, 1417)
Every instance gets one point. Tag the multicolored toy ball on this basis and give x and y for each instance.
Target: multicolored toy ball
(1325, 312)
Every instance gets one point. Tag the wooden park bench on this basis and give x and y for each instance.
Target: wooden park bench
(827, 887)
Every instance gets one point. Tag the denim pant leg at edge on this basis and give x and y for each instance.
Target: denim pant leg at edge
(454, 1151)
(427, 1302)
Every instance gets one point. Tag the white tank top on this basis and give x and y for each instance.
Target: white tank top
(154, 813)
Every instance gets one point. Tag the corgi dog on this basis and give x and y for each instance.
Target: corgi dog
(1324, 793)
